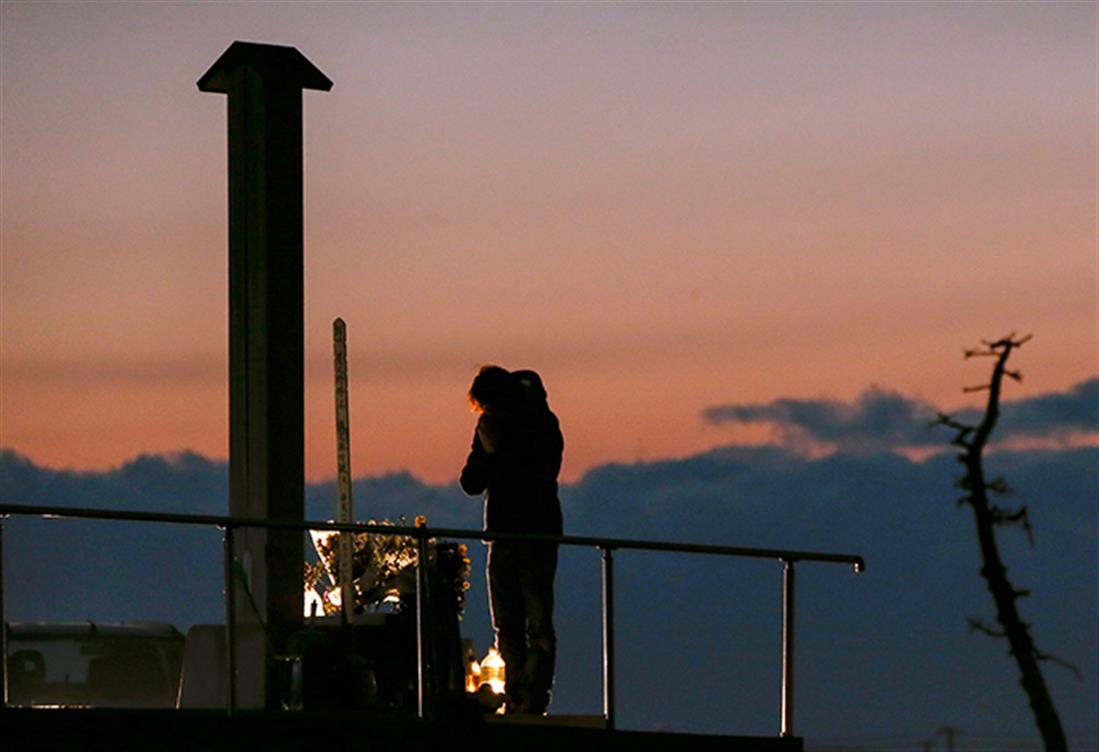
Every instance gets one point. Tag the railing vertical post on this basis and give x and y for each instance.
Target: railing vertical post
(787, 647)
(608, 636)
(3, 627)
(422, 673)
(230, 625)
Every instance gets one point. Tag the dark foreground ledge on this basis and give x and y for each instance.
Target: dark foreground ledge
(102, 730)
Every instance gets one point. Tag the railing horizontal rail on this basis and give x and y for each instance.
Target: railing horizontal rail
(606, 547)
(569, 540)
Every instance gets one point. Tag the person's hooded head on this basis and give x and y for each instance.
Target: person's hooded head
(530, 387)
(493, 389)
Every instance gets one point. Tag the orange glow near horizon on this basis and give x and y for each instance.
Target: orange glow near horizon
(659, 209)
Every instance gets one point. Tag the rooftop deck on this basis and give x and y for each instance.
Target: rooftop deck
(65, 730)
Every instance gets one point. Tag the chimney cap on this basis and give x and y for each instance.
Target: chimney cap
(269, 61)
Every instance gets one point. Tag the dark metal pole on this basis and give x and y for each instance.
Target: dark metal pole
(787, 647)
(608, 636)
(422, 673)
(230, 626)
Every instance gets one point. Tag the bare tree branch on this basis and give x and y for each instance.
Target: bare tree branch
(1019, 517)
(1049, 657)
(988, 517)
(946, 419)
(979, 625)
(980, 354)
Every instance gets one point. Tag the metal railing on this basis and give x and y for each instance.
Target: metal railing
(606, 547)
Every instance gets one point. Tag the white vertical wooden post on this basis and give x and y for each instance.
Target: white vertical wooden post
(344, 506)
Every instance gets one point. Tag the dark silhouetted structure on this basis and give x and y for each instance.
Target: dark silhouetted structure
(949, 733)
(266, 339)
(514, 462)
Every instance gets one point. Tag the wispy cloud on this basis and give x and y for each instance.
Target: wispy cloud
(877, 419)
(882, 420)
(1073, 410)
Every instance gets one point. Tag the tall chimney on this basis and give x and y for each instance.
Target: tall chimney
(264, 86)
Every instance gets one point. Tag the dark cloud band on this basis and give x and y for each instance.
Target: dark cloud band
(880, 419)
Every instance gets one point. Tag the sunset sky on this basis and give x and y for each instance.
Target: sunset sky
(661, 208)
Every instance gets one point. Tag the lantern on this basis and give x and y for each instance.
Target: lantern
(493, 670)
(473, 677)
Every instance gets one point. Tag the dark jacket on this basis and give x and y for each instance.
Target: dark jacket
(514, 461)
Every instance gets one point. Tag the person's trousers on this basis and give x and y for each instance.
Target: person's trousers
(520, 585)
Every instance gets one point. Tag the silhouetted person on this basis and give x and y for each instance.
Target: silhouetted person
(514, 461)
